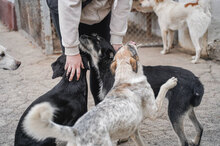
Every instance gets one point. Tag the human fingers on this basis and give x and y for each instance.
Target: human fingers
(68, 70)
(82, 65)
(66, 66)
(72, 74)
(78, 71)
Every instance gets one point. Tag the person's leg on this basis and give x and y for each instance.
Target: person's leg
(102, 28)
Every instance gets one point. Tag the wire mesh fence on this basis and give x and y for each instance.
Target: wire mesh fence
(143, 29)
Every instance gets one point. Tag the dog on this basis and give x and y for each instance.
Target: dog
(182, 100)
(7, 62)
(174, 16)
(118, 116)
(69, 98)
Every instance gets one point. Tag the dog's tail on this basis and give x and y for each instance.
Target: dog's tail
(197, 94)
(206, 5)
(198, 22)
(38, 124)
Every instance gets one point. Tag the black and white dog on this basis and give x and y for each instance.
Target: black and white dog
(182, 99)
(69, 98)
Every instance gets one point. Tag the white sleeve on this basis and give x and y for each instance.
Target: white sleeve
(69, 19)
(119, 18)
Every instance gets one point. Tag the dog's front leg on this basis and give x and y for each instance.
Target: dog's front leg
(136, 137)
(154, 105)
(172, 82)
(164, 38)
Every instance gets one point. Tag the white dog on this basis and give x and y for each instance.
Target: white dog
(173, 16)
(6, 61)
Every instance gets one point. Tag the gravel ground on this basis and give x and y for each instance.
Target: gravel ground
(19, 88)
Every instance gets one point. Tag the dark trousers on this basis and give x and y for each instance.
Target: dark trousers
(101, 29)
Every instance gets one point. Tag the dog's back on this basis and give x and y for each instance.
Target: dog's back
(157, 75)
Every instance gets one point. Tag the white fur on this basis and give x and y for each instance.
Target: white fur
(39, 120)
(7, 61)
(173, 16)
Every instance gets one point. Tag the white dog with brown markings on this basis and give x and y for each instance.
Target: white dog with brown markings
(118, 116)
(174, 15)
(7, 62)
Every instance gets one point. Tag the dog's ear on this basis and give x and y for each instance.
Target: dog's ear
(158, 1)
(85, 60)
(58, 67)
(134, 65)
(113, 67)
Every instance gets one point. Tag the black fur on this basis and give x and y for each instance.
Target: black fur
(70, 98)
(187, 94)
(105, 59)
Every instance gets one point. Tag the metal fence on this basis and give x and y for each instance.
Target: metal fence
(143, 29)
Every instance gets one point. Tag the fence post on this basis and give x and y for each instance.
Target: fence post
(46, 27)
(17, 13)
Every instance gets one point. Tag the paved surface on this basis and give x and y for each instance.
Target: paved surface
(19, 88)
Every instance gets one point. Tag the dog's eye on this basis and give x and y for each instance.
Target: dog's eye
(98, 38)
(2, 54)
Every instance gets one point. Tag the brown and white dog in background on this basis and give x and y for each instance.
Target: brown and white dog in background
(174, 16)
(7, 62)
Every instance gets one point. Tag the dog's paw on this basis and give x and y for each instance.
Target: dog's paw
(192, 143)
(163, 52)
(171, 83)
(122, 141)
(194, 61)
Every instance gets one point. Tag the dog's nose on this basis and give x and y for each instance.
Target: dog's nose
(133, 43)
(18, 63)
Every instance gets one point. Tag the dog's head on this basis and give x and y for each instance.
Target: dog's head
(59, 64)
(137, 6)
(7, 62)
(145, 4)
(127, 54)
(100, 51)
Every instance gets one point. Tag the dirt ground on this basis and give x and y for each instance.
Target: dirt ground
(19, 88)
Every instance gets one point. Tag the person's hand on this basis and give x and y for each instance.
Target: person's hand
(73, 64)
(116, 46)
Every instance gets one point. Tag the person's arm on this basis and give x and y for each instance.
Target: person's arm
(69, 19)
(118, 24)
